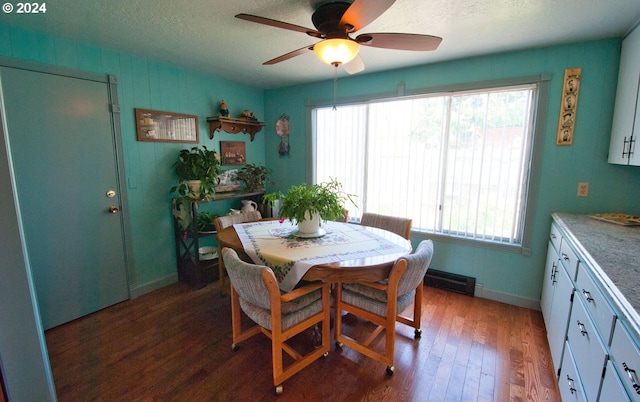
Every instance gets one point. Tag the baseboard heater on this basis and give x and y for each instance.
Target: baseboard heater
(449, 281)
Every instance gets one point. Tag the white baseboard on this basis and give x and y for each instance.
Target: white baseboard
(507, 298)
(139, 290)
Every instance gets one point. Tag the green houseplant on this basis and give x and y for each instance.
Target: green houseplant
(197, 164)
(197, 169)
(255, 177)
(303, 202)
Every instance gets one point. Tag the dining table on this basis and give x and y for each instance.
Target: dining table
(341, 252)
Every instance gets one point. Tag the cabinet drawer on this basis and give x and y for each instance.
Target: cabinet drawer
(555, 237)
(612, 387)
(600, 310)
(569, 381)
(626, 358)
(588, 350)
(569, 259)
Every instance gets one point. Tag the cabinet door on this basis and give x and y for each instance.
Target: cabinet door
(626, 106)
(588, 351)
(595, 302)
(612, 387)
(549, 283)
(569, 381)
(559, 316)
(626, 357)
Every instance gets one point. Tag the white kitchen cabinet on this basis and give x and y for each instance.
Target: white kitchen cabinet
(595, 302)
(625, 356)
(625, 131)
(549, 283)
(569, 382)
(555, 302)
(612, 386)
(589, 351)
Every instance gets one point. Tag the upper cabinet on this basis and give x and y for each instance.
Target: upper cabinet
(625, 131)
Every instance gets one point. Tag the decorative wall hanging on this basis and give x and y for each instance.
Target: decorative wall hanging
(283, 128)
(233, 153)
(568, 106)
(154, 125)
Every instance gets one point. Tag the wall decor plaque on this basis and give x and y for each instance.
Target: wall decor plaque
(568, 106)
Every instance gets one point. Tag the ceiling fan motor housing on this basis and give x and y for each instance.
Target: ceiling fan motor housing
(327, 17)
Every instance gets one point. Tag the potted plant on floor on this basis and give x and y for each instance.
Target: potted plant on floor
(255, 177)
(307, 205)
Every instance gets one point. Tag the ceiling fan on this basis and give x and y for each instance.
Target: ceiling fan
(335, 21)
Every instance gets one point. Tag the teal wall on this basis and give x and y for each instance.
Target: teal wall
(612, 188)
(150, 84)
(147, 84)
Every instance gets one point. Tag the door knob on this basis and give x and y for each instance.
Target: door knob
(113, 209)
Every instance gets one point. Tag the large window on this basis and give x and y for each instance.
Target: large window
(457, 163)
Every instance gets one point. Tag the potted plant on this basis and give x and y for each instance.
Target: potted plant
(197, 168)
(255, 177)
(197, 165)
(308, 205)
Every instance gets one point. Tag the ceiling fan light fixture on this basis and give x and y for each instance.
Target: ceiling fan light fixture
(336, 51)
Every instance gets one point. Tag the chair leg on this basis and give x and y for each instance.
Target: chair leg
(338, 314)
(221, 275)
(236, 322)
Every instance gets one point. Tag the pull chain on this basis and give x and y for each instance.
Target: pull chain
(335, 85)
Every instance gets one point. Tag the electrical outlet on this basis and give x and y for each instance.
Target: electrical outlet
(583, 189)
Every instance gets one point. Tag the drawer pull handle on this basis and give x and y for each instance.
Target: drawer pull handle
(631, 373)
(572, 388)
(565, 257)
(554, 273)
(553, 235)
(587, 295)
(582, 330)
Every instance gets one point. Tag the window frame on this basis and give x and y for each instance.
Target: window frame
(540, 102)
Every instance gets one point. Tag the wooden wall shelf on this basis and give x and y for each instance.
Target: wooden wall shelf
(234, 126)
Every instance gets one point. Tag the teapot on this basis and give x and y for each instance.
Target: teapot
(249, 206)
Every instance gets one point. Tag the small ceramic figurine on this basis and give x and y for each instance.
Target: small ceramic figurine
(224, 110)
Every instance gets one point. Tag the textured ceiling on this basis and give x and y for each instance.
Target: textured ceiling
(204, 35)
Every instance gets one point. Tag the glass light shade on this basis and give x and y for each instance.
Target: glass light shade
(336, 51)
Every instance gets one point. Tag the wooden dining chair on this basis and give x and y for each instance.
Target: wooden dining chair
(254, 291)
(225, 221)
(383, 302)
(397, 225)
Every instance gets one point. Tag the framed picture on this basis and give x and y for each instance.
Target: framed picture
(228, 181)
(158, 126)
(233, 153)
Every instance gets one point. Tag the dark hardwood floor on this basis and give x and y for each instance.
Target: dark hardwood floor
(174, 344)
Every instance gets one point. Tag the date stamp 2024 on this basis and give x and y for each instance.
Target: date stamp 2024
(24, 8)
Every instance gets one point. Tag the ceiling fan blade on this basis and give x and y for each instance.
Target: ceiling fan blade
(354, 66)
(400, 41)
(279, 24)
(289, 55)
(362, 12)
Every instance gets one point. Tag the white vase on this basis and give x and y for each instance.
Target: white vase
(194, 186)
(310, 225)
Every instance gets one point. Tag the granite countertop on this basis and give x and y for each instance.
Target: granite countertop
(613, 253)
